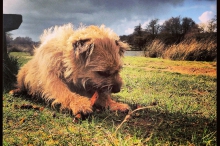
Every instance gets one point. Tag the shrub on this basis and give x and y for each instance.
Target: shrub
(10, 69)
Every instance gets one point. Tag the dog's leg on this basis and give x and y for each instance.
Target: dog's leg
(106, 101)
(57, 91)
(20, 87)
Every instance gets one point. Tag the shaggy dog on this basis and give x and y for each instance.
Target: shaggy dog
(71, 65)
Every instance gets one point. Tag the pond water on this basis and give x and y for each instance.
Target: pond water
(134, 53)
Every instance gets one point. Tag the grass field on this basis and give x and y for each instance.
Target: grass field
(176, 101)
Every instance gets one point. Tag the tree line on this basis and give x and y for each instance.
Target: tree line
(172, 31)
(20, 44)
(18, 40)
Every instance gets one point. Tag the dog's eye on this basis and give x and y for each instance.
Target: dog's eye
(103, 73)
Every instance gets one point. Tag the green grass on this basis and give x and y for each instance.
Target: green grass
(23, 57)
(183, 111)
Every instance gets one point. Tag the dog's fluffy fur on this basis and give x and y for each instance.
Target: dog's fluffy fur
(71, 65)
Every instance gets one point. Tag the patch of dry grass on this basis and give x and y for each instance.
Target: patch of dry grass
(189, 49)
(155, 49)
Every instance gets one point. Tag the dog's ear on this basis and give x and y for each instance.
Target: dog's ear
(122, 47)
(83, 48)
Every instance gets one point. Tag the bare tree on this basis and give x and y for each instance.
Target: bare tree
(153, 27)
(187, 24)
(138, 38)
(212, 25)
(172, 26)
(138, 30)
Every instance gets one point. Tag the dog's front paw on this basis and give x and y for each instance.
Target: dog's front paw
(15, 92)
(81, 106)
(116, 106)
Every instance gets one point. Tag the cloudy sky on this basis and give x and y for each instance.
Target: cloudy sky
(120, 15)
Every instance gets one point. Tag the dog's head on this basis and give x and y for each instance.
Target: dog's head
(98, 63)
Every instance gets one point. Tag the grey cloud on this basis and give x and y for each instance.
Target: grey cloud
(40, 14)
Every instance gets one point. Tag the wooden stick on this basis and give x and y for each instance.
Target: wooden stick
(128, 116)
(94, 98)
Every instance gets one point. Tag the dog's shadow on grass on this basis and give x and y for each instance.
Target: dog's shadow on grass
(152, 124)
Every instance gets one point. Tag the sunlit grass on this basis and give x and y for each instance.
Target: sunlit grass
(23, 57)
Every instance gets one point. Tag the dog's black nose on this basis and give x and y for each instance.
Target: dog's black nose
(116, 89)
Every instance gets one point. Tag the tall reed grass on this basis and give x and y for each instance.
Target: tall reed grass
(155, 49)
(189, 49)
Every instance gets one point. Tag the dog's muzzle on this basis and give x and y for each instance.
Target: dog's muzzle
(116, 89)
